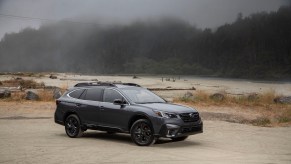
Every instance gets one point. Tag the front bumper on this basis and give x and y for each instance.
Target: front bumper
(170, 130)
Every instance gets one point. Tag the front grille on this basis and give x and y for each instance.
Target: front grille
(189, 117)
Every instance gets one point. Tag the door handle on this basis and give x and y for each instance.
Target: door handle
(101, 107)
(78, 105)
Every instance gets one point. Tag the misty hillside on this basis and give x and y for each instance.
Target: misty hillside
(258, 46)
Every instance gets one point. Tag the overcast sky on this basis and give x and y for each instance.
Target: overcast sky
(202, 13)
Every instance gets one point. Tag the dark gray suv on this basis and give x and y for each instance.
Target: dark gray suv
(125, 108)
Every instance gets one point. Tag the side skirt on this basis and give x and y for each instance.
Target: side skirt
(104, 128)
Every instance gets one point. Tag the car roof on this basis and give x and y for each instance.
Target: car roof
(105, 85)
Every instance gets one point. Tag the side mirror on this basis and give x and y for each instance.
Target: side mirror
(118, 102)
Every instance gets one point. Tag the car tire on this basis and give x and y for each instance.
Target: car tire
(142, 133)
(73, 126)
(179, 138)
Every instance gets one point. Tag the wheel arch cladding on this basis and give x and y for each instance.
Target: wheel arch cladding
(137, 117)
(68, 114)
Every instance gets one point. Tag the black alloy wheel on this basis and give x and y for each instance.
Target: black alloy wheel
(142, 133)
(73, 126)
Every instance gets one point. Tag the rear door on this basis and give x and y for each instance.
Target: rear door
(89, 106)
(113, 115)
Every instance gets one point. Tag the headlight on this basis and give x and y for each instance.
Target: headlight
(166, 114)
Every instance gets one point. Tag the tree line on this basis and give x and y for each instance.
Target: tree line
(256, 46)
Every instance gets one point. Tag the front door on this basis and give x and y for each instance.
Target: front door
(113, 115)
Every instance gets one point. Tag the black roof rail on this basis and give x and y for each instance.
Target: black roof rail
(104, 84)
(131, 84)
(93, 84)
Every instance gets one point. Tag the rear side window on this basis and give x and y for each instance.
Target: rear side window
(94, 94)
(110, 95)
(77, 93)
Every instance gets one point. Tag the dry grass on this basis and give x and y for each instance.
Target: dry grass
(45, 95)
(16, 96)
(64, 87)
(22, 83)
(261, 121)
(262, 105)
(202, 97)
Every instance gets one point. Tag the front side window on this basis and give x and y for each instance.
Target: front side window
(111, 95)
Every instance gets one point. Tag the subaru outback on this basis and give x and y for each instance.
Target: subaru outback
(124, 108)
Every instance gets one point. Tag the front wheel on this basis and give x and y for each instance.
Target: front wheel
(142, 133)
(73, 126)
(179, 138)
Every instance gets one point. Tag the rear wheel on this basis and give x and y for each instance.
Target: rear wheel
(142, 133)
(179, 138)
(73, 126)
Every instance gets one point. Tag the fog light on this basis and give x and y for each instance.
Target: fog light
(171, 133)
(172, 130)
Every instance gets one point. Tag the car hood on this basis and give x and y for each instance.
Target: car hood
(175, 108)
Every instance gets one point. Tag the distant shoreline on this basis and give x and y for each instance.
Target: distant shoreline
(185, 76)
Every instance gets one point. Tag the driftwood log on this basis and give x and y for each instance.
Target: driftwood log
(171, 89)
(73, 79)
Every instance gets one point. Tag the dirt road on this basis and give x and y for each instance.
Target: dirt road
(35, 138)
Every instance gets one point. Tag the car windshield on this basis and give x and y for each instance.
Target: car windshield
(141, 96)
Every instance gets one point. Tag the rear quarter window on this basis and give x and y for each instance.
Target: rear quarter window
(77, 93)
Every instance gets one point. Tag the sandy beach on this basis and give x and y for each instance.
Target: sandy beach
(207, 84)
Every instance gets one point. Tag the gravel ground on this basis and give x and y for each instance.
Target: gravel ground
(31, 136)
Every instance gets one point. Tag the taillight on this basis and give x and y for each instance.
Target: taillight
(57, 102)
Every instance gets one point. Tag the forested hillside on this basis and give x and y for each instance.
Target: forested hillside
(257, 46)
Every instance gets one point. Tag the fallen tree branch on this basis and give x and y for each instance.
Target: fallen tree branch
(78, 79)
(171, 89)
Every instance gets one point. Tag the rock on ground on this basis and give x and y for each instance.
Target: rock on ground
(57, 93)
(188, 95)
(283, 100)
(217, 97)
(253, 97)
(53, 77)
(31, 96)
(5, 93)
